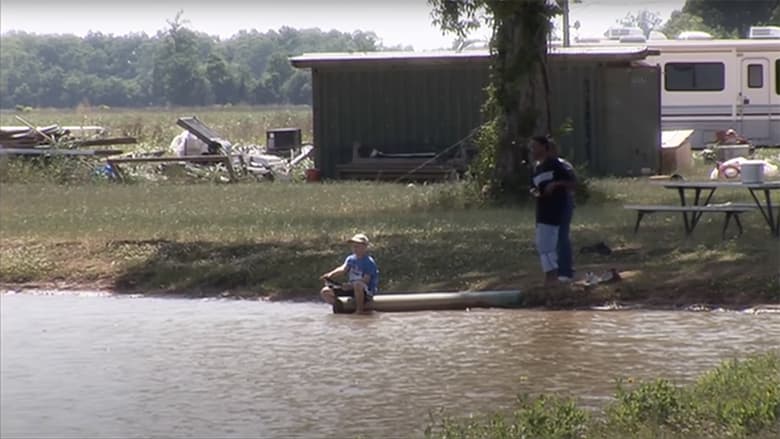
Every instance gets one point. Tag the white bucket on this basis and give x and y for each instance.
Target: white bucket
(752, 171)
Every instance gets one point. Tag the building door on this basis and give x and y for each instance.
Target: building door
(753, 105)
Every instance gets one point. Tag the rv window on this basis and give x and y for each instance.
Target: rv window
(709, 76)
(755, 75)
(777, 76)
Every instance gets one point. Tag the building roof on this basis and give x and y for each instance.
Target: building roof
(594, 54)
(692, 45)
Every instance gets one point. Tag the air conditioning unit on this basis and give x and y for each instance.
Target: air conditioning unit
(657, 35)
(694, 35)
(616, 33)
(764, 32)
(588, 40)
(633, 39)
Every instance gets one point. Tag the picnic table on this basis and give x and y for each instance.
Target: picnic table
(766, 207)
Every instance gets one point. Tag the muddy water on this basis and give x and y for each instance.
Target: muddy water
(120, 367)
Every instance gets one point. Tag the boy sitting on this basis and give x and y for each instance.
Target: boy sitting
(362, 276)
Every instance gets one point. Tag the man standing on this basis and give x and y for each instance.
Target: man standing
(565, 255)
(552, 182)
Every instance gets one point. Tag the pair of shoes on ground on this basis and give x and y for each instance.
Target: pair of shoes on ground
(610, 276)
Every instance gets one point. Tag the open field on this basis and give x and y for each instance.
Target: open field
(275, 240)
(155, 127)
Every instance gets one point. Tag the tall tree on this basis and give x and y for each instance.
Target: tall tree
(177, 65)
(645, 19)
(734, 16)
(517, 82)
(682, 21)
(223, 84)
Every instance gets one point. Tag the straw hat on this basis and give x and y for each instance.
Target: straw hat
(359, 239)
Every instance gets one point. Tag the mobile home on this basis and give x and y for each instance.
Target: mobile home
(710, 85)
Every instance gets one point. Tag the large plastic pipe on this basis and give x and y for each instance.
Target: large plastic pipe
(434, 301)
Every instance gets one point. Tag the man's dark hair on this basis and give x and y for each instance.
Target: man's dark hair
(545, 141)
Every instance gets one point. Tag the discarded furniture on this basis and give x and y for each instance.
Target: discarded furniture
(396, 302)
(224, 159)
(215, 142)
(402, 167)
(282, 140)
(395, 172)
(54, 136)
(696, 212)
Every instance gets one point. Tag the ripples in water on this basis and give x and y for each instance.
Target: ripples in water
(94, 366)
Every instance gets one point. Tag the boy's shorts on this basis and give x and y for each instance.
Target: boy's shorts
(339, 291)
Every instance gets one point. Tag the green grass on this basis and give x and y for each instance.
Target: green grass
(275, 239)
(738, 399)
(154, 128)
(61, 222)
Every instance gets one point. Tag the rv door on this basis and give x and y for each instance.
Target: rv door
(753, 103)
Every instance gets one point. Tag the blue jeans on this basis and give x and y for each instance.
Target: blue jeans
(565, 258)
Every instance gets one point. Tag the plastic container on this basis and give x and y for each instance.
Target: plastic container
(752, 172)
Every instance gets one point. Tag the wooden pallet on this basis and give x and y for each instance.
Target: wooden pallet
(224, 159)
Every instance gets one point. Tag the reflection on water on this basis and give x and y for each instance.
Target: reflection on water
(117, 367)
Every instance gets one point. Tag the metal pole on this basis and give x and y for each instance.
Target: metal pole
(566, 41)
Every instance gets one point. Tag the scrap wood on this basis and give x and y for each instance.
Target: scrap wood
(105, 142)
(42, 133)
(58, 151)
(203, 132)
(306, 152)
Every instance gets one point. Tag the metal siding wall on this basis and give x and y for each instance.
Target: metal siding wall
(633, 126)
(572, 98)
(395, 110)
(405, 109)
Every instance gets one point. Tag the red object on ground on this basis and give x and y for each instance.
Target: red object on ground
(312, 175)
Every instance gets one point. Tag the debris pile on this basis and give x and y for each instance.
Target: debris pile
(200, 152)
(56, 140)
(26, 137)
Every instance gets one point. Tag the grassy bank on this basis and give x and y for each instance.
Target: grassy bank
(739, 399)
(275, 239)
(154, 128)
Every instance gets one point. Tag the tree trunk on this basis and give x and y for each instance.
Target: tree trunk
(520, 50)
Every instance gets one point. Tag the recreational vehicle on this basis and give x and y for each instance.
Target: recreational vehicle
(711, 85)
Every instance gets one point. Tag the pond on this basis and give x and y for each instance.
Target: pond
(90, 366)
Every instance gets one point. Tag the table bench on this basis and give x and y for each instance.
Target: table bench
(729, 210)
(767, 208)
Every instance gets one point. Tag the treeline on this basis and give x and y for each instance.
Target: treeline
(723, 19)
(177, 66)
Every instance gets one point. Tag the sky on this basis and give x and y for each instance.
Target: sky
(405, 22)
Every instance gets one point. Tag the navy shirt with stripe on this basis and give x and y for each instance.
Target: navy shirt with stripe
(550, 208)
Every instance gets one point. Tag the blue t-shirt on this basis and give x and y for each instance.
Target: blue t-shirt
(359, 267)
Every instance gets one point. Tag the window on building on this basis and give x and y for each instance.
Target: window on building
(705, 76)
(755, 74)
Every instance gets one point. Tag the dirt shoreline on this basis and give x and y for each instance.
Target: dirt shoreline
(607, 297)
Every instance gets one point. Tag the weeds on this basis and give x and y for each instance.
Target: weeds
(155, 128)
(738, 399)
